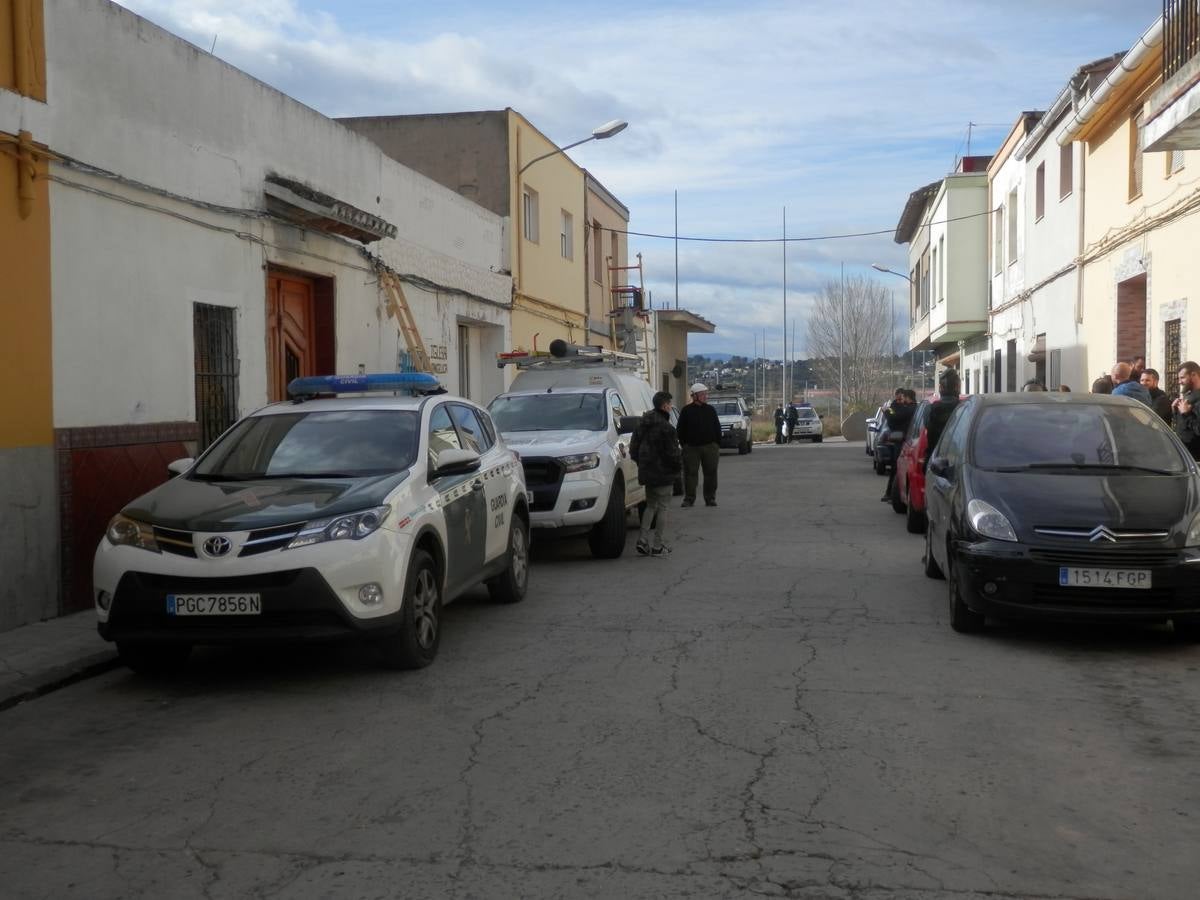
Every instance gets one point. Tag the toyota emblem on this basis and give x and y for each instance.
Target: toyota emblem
(217, 546)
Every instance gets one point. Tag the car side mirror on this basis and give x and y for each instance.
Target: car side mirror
(456, 462)
(179, 466)
(941, 467)
(628, 424)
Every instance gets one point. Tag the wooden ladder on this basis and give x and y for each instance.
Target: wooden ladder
(397, 307)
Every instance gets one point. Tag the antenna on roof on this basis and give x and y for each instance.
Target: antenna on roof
(214, 46)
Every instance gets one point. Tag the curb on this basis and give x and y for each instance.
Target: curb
(33, 686)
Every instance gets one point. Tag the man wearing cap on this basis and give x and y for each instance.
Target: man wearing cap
(699, 431)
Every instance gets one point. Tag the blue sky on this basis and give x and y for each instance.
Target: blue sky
(835, 110)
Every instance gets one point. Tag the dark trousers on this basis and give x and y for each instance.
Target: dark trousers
(779, 432)
(694, 459)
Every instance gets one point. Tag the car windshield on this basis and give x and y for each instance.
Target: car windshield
(1075, 436)
(726, 407)
(549, 412)
(808, 413)
(330, 443)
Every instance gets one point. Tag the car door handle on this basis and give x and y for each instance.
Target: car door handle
(477, 485)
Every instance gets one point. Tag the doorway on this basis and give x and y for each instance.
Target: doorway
(1131, 318)
(300, 329)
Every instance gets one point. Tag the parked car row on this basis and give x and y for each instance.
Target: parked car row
(352, 511)
(1053, 506)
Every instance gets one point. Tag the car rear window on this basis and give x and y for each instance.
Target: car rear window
(1075, 435)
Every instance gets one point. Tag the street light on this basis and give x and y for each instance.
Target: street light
(878, 268)
(603, 132)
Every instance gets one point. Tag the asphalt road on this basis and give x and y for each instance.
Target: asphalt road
(778, 709)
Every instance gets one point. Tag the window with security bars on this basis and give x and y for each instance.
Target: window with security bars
(1172, 331)
(216, 364)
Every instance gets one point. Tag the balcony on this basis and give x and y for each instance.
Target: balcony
(1172, 114)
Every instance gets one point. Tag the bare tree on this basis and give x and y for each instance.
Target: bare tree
(857, 329)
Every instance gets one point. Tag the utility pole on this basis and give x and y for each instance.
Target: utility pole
(677, 249)
(784, 379)
(841, 347)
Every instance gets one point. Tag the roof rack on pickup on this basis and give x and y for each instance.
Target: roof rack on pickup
(566, 355)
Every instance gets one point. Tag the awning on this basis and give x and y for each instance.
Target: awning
(301, 204)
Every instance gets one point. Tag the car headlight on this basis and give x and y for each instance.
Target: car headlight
(739, 426)
(1193, 535)
(989, 521)
(126, 532)
(352, 527)
(579, 462)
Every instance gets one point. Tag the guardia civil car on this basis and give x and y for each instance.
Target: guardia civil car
(321, 518)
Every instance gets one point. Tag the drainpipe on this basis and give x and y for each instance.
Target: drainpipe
(1080, 244)
(21, 24)
(1146, 44)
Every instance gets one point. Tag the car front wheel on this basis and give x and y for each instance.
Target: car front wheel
(962, 618)
(416, 644)
(932, 569)
(607, 537)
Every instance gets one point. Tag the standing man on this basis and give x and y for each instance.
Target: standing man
(1125, 386)
(1136, 367)
(1187, 408)
(699, 431)
(793, 418)
(949, 385)
(655, 449)
(1158, 397)
(897, 418)
(779, 424)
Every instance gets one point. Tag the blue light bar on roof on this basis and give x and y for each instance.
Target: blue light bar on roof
(310, 385)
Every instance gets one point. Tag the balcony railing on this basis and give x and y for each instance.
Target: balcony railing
(1181, 34)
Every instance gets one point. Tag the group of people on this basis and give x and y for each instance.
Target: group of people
(1133, 379)
(899, 414)
(785, 417)
(662, 451)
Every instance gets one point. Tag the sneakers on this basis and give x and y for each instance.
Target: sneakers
(710, 502)
(643, 547)
(686, 503)
(661, 552)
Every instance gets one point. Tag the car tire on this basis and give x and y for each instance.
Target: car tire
(750, 445)
(962, 618)
(818, 438)
(743, 449)
(607, 537)
(932, 569)
(509, 586)
(415, 644)
(898, 505)
(880, 467)
(154, 659)
(914, 520)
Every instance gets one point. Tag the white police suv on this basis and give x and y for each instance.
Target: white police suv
(320, 518)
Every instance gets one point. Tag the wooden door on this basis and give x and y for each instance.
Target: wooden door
(291, 337)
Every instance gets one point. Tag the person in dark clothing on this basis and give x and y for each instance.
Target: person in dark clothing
(1159, 399)
(1125, 386)
(1187, 408)
(949, 385)
(897, 418)
(779, 419)
(793, 417)
(699, 432)
(1103, 385)
(1137, 366)
(655, 449)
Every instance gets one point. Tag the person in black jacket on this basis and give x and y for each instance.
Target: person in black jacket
(1186, 408)
(655, 449)
(949, 385)
(1159, 399)
(779, 424)
(699, 431)
(896, 419)
(792, 416)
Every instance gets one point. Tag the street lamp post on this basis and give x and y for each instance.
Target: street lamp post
(878, 268)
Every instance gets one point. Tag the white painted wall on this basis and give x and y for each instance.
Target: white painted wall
(128, 264)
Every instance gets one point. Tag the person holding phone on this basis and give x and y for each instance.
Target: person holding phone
(1186, 408)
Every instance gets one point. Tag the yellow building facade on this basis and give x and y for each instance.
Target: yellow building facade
(28, 591)
(1140, 268)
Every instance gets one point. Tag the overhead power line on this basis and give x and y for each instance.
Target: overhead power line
(790, 240)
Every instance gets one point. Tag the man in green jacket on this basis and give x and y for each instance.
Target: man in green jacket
(655, 449)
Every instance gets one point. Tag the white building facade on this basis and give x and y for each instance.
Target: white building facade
(212, 238)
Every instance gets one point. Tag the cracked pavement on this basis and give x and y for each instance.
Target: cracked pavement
(779, 709)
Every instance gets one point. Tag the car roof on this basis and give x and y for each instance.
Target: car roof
(356, 402)
(1046, 398)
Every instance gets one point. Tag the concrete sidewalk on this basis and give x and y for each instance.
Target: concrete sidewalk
(38, 658)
